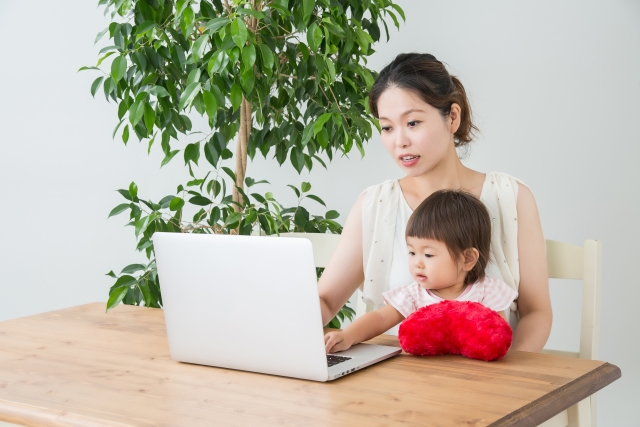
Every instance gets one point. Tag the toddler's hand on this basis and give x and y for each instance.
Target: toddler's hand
(336, 341)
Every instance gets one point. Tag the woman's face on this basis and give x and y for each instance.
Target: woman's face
(414, 133)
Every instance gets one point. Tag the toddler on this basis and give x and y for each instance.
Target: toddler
(448, 238)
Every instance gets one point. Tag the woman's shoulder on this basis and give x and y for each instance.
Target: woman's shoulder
(501, 182)
(380, 197)
(385, 186)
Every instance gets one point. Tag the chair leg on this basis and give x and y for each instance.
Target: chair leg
(580, 414)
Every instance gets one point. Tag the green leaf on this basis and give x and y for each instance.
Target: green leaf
(248, 56)
(119, 209)
(244, 11)
(248, 79)
(100, 35)
(125, 134)
(297, 159)
(168, 157)
(236, 96)
(87, 68)
(132, 268)
(192, 153)
(136, 111)
(159, 91)
(233, 218)
(145, 27)
(133, 190)
(307, 9)
(176, 204)
(199, 46)
(111, 274)
(305, 187)
(200, 201)
(194, 76)
(317, 199)
(189, 93)
(230, 173)
(164, 203)
(104, 57)
(267, 56)
(331, 215)
(317, 127)
(217, 62)
(215, 24)
(149, 119)
(307, 134)
(116, 296)
(239, 32)
(399, 10)
(124, 282)
(119, 68)
(314, 36)
(210, 103)
(96, 85)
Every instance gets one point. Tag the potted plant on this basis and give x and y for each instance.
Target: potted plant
(286, 79)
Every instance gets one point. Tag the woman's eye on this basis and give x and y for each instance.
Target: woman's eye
(385, 128)
(413, 123)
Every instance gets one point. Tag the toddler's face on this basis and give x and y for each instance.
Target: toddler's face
(431, 264)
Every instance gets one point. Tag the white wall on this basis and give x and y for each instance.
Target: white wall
(555, 89)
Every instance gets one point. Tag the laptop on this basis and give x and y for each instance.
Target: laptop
(249, 303)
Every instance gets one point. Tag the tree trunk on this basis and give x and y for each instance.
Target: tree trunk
(241, 150)
(245, 127)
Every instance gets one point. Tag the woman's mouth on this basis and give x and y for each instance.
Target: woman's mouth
(408, 160)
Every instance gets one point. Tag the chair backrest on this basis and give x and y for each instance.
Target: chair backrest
(567, 261)
(323, 245)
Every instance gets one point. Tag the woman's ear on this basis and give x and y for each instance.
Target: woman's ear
(453, 120)
(470, 258)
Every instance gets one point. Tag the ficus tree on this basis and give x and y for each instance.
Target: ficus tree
(283, 78)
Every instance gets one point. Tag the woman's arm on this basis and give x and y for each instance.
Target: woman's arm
(344, 272)
(368, 326)
(534, 303)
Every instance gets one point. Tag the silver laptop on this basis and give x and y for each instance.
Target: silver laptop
(249, 303)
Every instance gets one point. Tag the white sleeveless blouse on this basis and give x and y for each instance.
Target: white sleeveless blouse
(385, 213)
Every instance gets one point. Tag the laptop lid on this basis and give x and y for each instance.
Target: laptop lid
(242, 302)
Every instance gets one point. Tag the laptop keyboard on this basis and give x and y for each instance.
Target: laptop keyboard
(333, 360)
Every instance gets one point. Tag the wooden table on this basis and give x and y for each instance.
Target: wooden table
(82, 367)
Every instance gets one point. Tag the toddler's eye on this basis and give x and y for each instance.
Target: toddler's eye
(428, 255)
(411, 253)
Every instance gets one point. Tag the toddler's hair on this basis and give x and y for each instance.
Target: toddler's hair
(460, 221)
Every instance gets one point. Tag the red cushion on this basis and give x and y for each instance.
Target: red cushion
(456, 327)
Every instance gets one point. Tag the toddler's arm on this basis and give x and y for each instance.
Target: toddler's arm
(368, 326)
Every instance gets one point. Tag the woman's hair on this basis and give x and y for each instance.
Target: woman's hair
(425, 76)
(460, 221)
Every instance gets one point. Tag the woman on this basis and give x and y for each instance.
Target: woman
(424, 116)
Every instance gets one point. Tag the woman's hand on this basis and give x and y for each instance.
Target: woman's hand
(337, 341)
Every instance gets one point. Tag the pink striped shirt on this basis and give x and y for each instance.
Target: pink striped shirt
(490, 292)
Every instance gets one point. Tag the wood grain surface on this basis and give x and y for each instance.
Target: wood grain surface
(82, 367)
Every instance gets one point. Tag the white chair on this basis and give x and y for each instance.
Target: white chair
(323, 245)
(566, 261)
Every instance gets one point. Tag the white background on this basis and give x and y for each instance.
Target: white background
(554, 87)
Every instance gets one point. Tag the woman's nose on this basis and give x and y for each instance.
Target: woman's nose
(402, 141)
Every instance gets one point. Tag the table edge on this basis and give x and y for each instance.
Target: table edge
(37, 416)
(553, 403)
